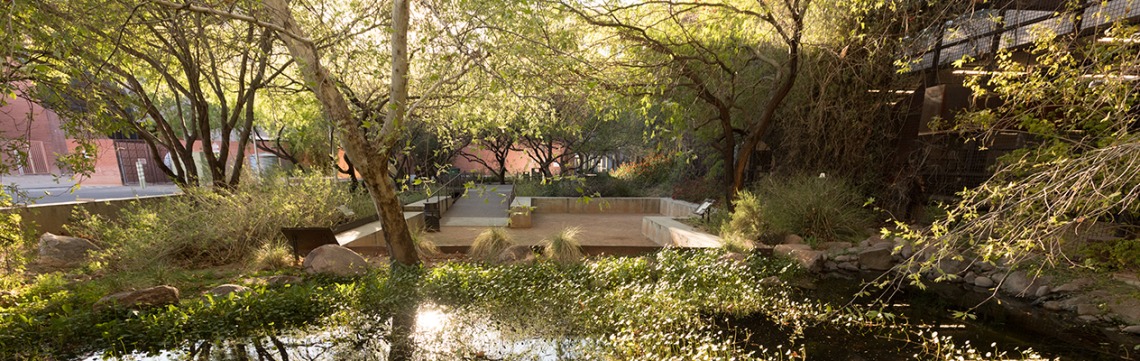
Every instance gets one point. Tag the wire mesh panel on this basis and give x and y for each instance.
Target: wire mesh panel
(37, 158)
(954, 162)
(136, 158)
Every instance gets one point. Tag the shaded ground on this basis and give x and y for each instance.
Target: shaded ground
(596, 230)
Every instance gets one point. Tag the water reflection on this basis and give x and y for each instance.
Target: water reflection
(441, 334)
(449, 334)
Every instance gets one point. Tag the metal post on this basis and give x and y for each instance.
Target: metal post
(142, 174)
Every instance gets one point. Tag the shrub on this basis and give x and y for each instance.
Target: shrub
(204, 227)
(273, 256)
(746, 219)
(490, 243)
(424, 245)
(826, 209)
(564, 247)
(735, 242)
(1120, 254)
(14, 243)
(602, 185)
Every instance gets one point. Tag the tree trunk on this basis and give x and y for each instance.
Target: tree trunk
(372, 162)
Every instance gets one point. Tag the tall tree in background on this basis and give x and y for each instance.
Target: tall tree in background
(736, 62)
(178, 80)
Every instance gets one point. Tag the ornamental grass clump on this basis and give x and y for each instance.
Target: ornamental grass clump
(823, 208)
(424, 245)
(564, 246)
(490, 243)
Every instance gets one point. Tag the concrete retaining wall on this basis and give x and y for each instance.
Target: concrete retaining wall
(52, 217)
(596, 205)
(376, 240)
(677, 208)
(652, 205)
(668, 232)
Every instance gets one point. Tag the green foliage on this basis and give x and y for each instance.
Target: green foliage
(747, 218)
(648, 172)
(63, 325)
(824, 209)
(1120, 254)
(564, 246)
(1075, 100)
(669, 305)
(735, 242)
(204, 228)
(14, 243)
(273, 256)
(490, 243)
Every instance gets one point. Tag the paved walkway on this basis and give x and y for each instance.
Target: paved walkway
(482, 206)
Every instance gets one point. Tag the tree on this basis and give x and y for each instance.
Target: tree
(1078, 99)
(499, 141)
(178, 80)
(737, 61)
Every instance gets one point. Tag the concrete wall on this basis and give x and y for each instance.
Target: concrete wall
(663, 206)
(676, 208)
(596, 205)
(668, 232)
(372, 243)
(52, 217)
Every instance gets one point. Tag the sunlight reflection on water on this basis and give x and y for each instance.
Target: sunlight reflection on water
(440, 334)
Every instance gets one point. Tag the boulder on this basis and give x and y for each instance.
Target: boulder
(951, 266)
(793, 239)
(734, 258)
(877, 257)
(833, 246)
(1041, 291)
(1053, 306)
(335, 260)
(517, 254)
(1126, 308)
(281, 280)
(1088, 309)
(983, 282)
(1072, 286)
(1134, 329)
(7, 299)
(1127, 278)
(1088, 318)
(809, 259)
(64, 251)
(906, 248)
(845, 258)
(226, 289)
(849, 266)
(1017, 283)
(771, 281)
(150, 297)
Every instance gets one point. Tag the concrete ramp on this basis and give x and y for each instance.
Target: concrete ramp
(482, 206)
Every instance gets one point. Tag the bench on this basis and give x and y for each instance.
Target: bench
(306, 239)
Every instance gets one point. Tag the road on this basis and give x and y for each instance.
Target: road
(46, 190)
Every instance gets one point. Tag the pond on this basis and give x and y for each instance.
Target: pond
(671, 305)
